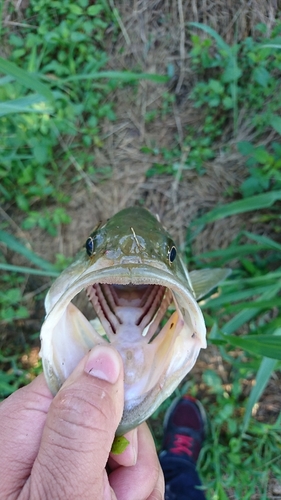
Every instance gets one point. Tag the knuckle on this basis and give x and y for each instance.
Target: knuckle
(77, 417)
(82, 407)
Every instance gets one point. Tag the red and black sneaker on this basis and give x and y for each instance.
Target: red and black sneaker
(184, 428)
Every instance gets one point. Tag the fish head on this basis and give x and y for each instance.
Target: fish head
(145, 305)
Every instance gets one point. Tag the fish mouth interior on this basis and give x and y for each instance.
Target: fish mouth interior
(149, 315)
(130, 311)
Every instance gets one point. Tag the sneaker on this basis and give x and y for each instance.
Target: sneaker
(184, 428)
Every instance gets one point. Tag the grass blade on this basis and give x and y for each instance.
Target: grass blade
(263, 345)
(264, 373)
(272, 46)
(256, 202)
(210, 31)
(17, 246)
(256, 281)
(26, 79)
(28, 270)
(263, 241)
(247, 314)
(233, 251)
(25, 105)
(124, 76)
(261, 304)
(230, 297)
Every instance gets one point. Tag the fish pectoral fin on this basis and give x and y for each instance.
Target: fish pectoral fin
(204, 280)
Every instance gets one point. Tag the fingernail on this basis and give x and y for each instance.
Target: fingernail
(104, 363)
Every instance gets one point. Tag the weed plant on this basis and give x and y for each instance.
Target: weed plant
(246, 315)
(240, 85)
(58, 42)
(241, 454)
(237, 90)
(49, 127)
(53, 96)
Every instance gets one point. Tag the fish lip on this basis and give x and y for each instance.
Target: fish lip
(136, 274)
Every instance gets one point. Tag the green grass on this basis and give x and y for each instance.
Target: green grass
(245, 314)
(236, 87)
(55, 93)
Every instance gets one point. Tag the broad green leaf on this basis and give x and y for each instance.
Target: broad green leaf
(245, 147)
(265, 370)
(26, 79)
(119, 445)
(18, 246)
(231, 74)
(256, 202)
(227, 102)
(94, 10)
(261, 76)
(262, 156)
(75, 9)
(263, 345)
(216, 86)
(28, 270)
(275, 122)
(124, 76)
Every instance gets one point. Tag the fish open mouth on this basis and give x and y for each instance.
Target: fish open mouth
(147, 314)
(130, 310)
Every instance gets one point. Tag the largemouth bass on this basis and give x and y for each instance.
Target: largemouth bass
(145, 302)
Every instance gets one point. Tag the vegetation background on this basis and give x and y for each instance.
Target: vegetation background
(173, 105)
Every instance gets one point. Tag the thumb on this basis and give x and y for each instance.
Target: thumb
(80, 429)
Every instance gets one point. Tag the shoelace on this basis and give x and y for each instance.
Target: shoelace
(182, 444)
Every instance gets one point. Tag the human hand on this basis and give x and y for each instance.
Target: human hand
(57, 448)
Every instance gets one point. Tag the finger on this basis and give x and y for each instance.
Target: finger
(80, 429)
(159, 489)
(22, 418)
(138, 481)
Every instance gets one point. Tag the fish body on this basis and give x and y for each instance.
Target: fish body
(145, 302)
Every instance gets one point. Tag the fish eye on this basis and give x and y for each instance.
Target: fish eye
(172, 254)
(90, 247)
